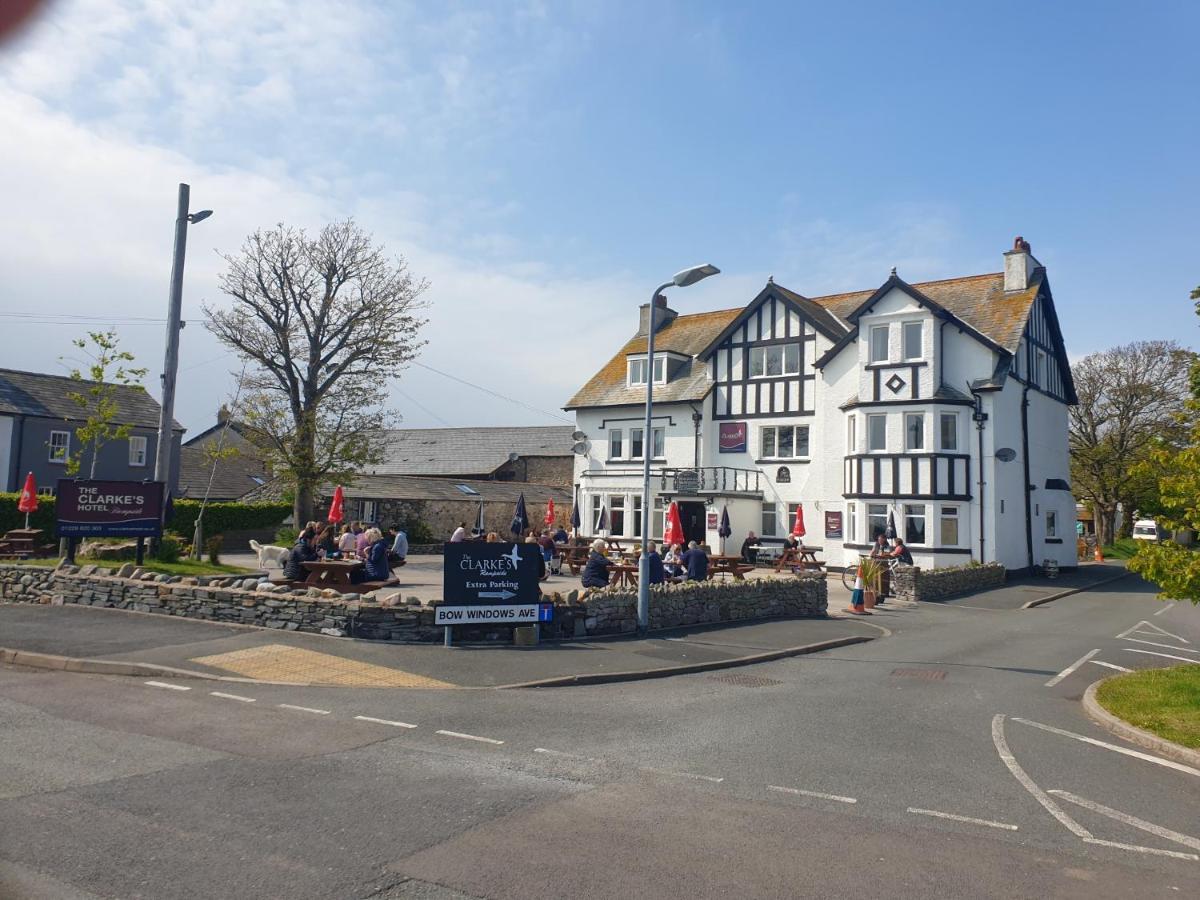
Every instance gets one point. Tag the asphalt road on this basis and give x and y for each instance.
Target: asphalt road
(943, 761)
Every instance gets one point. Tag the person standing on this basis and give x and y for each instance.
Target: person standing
(695, 561)
(460, 533)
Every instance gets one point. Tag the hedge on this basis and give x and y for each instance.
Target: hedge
(11, 518)
(222, 517)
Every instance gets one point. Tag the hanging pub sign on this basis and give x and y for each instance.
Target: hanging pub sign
(833, 525)
(731, 438)
(687, 481)
(489, 583)
(86, 508)
(783, 475)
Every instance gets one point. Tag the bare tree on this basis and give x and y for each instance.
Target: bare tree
(324, 321)
(1130, 398)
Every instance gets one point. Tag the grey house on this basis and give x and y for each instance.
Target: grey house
(38, 422)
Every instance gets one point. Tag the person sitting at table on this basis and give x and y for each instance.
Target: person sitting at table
(304, 550)
(346, 540)
(460, 533)
(560, 536)
(327, 543)
(492, 538)
(880, 548)
(399, 553)
(749, 553)
(375, 560)
(672, 562)
(543, 571)
(595, 571)
(695, 561)
(900, 552)
(654, 565)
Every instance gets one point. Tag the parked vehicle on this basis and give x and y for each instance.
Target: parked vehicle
(1147, 530)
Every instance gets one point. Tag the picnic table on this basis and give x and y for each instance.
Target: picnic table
(622, 574)
(799, 559)
(574, 557)
(728, 565)
(22, 543)
(331, 573)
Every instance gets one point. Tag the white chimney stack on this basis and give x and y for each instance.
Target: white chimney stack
(1019, 265)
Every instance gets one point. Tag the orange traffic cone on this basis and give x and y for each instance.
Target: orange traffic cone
(1099, 554)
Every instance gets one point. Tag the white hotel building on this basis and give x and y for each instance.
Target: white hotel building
(942, 404)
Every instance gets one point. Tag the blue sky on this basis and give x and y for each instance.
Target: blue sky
(546, 164)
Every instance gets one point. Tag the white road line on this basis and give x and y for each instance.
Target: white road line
(1156, 644)
(471, 737)
(1170, 764)
(956, 818)
(1108, 665)
(562, 753)
(384, 722)
(237, 697)
(1164, 609)
(1131, 629)
(1071, 668)
(1137, 849)
(711, 778)
(1127, 819)
(788, 790)
(169, 687)
(1026, 782)
(308, 709)
(1163, 655)
(1164, 632)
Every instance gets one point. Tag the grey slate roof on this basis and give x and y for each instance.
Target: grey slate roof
(401, 487)
(466, 451)
(235, 475)
(39, 394)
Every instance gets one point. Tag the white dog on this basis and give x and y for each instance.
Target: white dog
(270, 555)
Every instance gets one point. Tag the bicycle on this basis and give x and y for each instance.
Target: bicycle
(850, 573)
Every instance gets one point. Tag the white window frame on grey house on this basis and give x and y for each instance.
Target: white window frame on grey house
(775, 361)
(878, 348)
(137, 450)
(615, 448)
(952, 433)
(948, 532)
(877, 432)
(912, 347)
(914, 431)
(59, 447)
(771, 443)
(637, 370)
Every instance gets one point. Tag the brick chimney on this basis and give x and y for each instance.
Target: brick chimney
(663, 315)
(1019, 265)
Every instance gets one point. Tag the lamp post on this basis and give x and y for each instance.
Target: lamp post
(682, 279)
(162, 452)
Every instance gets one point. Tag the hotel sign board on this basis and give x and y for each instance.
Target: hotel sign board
(486, 583)
(87, 508)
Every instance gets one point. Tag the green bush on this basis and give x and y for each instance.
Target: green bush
(222, 517)
(169, 549)
(285, 537)
(418, 532)
(11, 517)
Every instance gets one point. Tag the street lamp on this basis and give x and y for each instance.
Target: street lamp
(686, 278)
(162, 452)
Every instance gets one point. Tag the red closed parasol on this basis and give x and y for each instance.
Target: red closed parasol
(28, 502)
(798, 528)
(335, 508)
(549, 520)
(673, 533)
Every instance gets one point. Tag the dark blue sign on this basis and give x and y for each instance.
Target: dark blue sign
(497, 574)
(85, 508)
(546, 612)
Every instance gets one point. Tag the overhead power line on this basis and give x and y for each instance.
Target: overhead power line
(492, 393)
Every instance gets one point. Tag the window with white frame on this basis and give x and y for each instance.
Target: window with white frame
(635, 443)
(616, 513)
(597, 504)
(851, 533)
(852, 433)
(1051, 523)
(877, 431)
(780, 359)
(914, 523)
(876, 520)
(614, 444)
(914, 431)
(637, 516)
(912, 340)
(768, 520)
(879, 343)
(137, 450)
(658, 521)
(637, 370)
(658, 442)
(45, 492)
(948, 430)
(948, 521)
(784, 442)
(791, 517)
(60, 446)
(368, 508)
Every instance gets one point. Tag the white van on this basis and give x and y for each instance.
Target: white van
(1147, 530)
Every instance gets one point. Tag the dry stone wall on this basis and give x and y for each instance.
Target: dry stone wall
(914, 583)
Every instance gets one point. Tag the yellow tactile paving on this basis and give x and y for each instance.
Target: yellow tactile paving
(279, 662)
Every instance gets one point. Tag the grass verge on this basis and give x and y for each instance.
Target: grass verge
(1123, 548)
(1165, 702)
(183, 567)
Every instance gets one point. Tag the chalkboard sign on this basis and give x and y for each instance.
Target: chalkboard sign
(687, 481)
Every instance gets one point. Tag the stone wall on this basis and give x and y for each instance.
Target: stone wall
(913, 583)
(443, 516)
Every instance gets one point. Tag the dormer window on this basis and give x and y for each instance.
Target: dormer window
(637, 370)
(770, 362)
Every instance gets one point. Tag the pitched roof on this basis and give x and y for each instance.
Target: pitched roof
(236, 475)
(39, 394)
(466, 451)
(403, 487)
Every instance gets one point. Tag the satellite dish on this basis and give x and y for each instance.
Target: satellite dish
(513, 457)
(1006, 454)
(580, 448)
(578, 436)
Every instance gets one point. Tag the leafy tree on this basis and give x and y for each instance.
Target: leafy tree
(1130, 398)
(97, 398)
(324, 322)
(1174, 568)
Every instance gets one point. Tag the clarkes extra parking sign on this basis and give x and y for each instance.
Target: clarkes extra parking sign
(489, 583)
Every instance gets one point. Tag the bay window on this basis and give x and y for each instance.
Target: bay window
(949, 526)
(914, 523)
(876, 520)
(914, 431)
(949, 430)
(877, 432)
(616, 514)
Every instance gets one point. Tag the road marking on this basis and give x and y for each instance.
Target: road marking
(788, 790)
(1164, 632)
(1156, 644)
(237, 697)
(1163, 655)
(562, 753)
(1165, 609)
(1108, 665)
(1172, 853)
(967, 819)
(1026, 782)
(1071, 668)
(308, 709)
(711, 778)
(384, 722)
(1119, 816)
(471, 737)
(1170, 764)
(169, 687)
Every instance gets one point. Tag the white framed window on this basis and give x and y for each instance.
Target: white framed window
(637, 516)
(876, 520)
(851, 433)
(768, 520)
(597, 503)
(637, 370)
(876, 431)
(912, 340)
(658, 520)
(851, 533)
(914, 523)
(616, 513)
(948, 430)
(879, 343)
(45, 492)
(948, 522)
(636, 447)
(137, 450)
(369, 509)
(770, 362)
(614, 444)
(914, 431)
(658, 442)
(60, 446)
(1051, 523)
(784, 442)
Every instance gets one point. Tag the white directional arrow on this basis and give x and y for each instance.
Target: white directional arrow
(497, 595)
